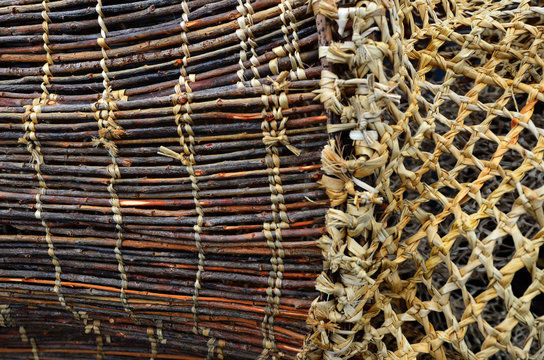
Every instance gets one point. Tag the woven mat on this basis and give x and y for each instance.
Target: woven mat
(158, 178)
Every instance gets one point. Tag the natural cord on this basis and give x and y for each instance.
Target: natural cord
(30, 120)
(6, 321)
(184, 123)
(108, 131)
(430, 174)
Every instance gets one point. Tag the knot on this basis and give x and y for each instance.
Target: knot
(368, 161)
(110, 133)
(119, 95)
(281, 138)
(329, 92)
(164, 151)
(280, 83)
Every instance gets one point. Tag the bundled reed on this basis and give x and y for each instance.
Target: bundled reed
(158, 178)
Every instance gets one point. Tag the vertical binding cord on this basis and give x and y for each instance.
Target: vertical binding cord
(32, 341)
(155, 340)
(184, 122)
(246, 38)
(99, 340)
(272, 230)
(160, 336)
(30, 119)
(247, 42)
(108, 131)
(6, 321)
(152, 341)
(272, 136)
(291, 48)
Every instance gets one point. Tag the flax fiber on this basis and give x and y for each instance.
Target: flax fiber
(181, 179)
(435, 175)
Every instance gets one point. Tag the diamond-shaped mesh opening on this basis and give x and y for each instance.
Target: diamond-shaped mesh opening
(511, 160)
(460, 140)
(447, 161)
(482, 149)
(445, 225)
(432, 206)
(466, 174)
(448, 192)
(492, 309)
(470, 206)
(413, 331)
(460, 252)
(529, 140)
(456, 304)
(519, 334)
(503, 251)
(410, 194)
(521, 282)
(490, 186)
(473, 337)
(427, 145)
(528, 225)
(407, 269)
(533, 178)
(506, 202)
(479, 118)
(438, 320)
(486, 226)
(429, 177)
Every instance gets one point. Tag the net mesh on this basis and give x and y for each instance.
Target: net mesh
(435, 175)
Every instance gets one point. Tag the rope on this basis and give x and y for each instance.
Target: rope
(30, 119)
(108, 132)
(184, 123)
(32, 341)
(274, 134)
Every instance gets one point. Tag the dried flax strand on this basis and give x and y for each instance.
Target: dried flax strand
(182, 116)
(7, 321)
(108, 131)
(434, 173)
(34, 148)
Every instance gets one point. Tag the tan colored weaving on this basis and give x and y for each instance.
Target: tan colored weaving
(437, 185)
(161, 192)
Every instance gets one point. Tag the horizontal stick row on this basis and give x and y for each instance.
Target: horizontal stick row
(216, 259)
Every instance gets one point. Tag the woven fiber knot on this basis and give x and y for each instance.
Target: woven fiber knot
(280, 138)
(185, 159)
(111, 133)
(329, 94)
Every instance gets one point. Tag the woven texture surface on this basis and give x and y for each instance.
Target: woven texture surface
(165, 168)
(158, 178)
(435, 175)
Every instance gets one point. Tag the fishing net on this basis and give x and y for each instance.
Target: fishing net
(158, 178)
(435, 175)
